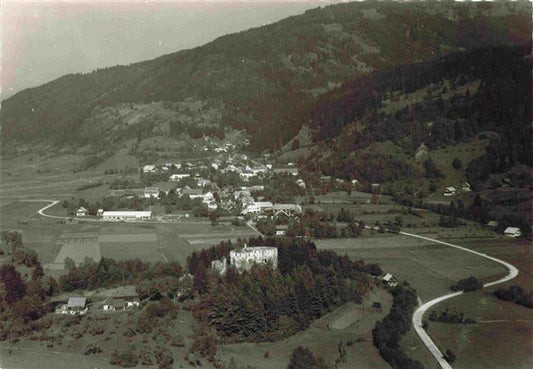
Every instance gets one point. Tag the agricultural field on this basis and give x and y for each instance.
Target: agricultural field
(54, 239)
(498, 321)
(352, 324)
(14, 214)
(428, 267)
(431, 269)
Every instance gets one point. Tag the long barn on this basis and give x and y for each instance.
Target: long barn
(126, 215)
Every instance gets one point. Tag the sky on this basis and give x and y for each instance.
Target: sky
(43, 40)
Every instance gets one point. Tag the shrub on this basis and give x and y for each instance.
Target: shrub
(127, 358)
(467, 285)
(515, 294)
(164, 358)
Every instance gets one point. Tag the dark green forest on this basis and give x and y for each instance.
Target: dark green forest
(502, 104)
(278, 303)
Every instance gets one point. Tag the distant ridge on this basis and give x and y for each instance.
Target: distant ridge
(262, 80)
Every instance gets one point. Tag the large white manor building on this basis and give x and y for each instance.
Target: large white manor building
(246, 257)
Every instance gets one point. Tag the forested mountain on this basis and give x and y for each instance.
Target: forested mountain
(354, 115)
(266, 79)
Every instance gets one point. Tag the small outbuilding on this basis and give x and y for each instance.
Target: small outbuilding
(390, 280)
(81, 212)
(512, 232)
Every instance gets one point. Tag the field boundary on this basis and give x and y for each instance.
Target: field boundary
(419, 313)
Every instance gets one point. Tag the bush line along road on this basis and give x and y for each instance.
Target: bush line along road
(419, 313)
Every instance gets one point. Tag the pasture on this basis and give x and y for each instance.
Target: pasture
(54, 240)
(497, 321)
(15, 213)
(428, 267)
(351, 323)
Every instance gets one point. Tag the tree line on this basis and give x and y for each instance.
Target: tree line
(264, 304)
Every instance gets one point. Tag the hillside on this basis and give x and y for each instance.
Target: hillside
(262, 80)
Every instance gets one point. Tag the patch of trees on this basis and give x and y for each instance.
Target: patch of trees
(164, 309)
(125, 170)
(93, 160)
(448, 316)
(469, 284)
(388, 332)
(265, 304)
(367, 167)
(449, 221)
(321, 225)
(303, 358)
(431, 171)
(89, 185)
(515, 294)
(126, 358)
(22, 303)
(281, 188)
(20, 255)
(154, 280)
(123, 183)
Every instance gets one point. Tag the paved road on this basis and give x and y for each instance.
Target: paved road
(419, 313)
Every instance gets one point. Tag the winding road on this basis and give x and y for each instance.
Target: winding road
(419, 313)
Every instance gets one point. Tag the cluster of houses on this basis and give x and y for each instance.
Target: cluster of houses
(117, 302)
(454, 191)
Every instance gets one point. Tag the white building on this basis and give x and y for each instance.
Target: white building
(126, 215)
(512, 232)
(450, 191)
(244, 259)
(390, 280)
(220, 266)
(149, 169)
(81, 212)
(178, 176)
(287, 209)
(257, 207)
(151, 192)
(74, 306)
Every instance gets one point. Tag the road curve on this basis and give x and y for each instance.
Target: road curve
(419, 313)
(41, 211)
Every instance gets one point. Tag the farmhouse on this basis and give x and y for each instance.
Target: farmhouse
(390, 280)
(257, 207)
(112, 304)
(81, 212)
(151, 192)
(293, 171)
(192, 193)
(281, 229)
(74, 306)
(149, 169)
(248, 256)
(512, 232)
(287, 209)
(493, 224)
(450, 191)
(126, 215)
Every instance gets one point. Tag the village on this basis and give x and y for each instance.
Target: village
(231, 187)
